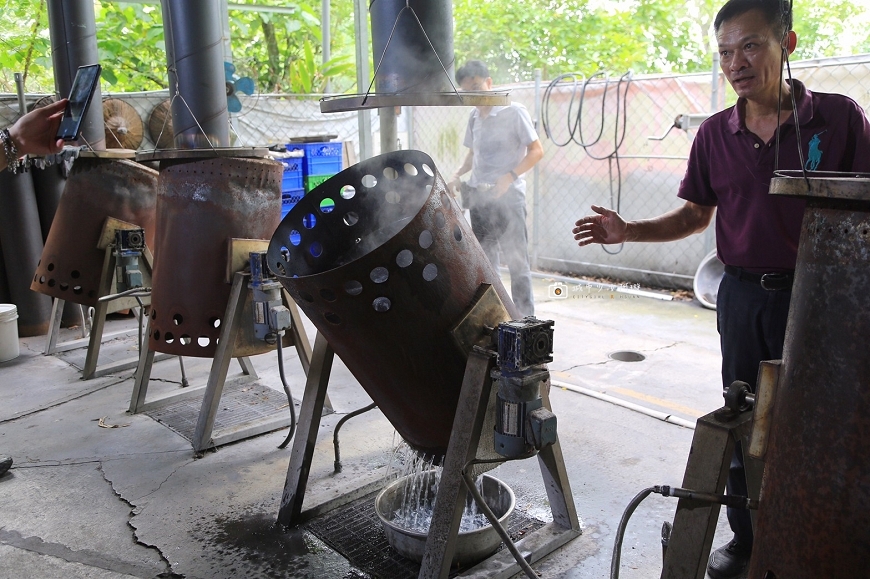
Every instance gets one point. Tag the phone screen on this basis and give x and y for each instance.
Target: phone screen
(80, 96)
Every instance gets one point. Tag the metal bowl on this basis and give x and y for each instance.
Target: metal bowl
(471, 546)
(707, 279)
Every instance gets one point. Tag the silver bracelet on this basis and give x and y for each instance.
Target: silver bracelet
(12, 161)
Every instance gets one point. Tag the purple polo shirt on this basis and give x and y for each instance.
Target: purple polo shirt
(731, 168)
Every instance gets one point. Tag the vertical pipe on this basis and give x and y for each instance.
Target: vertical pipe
(73, 30)
(21, 239)
(389, 130)
(19, 86)
(364, 117)
(197, 84)
(412, 141)
(714, 82)
(536, 174)
(709, 233)
(325, 37)
(225, 30)
(5, 296)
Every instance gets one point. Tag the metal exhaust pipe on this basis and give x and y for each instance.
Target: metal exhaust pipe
(73, 30)
(194, 56)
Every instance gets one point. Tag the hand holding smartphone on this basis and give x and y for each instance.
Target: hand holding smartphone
(82, 91)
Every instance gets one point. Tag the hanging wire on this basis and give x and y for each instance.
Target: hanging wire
(82, 137)
(787, 11)
(174, 71)
(390, 39)
(575, 127)
(579, 124)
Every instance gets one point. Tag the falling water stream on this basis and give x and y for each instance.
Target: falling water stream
(419, 491)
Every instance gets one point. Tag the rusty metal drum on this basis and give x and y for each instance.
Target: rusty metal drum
(97, 188)
(201, 205)
(381, 260)
(814, 513)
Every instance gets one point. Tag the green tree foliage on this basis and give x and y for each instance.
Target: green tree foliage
(831, 28)
(25, 46)
(131, 47)
(280, 51)
(586, 36)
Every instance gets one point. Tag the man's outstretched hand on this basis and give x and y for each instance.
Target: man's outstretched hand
(606, 227)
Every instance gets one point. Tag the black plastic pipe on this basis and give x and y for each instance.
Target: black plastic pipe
(21, 239)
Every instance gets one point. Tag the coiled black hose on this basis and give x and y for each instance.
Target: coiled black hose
(575, 127)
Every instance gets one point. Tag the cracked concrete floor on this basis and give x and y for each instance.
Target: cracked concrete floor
(132, 501)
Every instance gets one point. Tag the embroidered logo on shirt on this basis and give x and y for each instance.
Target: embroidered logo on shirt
(814, 155)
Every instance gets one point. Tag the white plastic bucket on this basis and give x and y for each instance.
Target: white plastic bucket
(8, 332)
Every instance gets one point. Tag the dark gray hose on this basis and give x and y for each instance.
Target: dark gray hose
(286, 391)
(620, 531)
(337, 463)
(521, 561)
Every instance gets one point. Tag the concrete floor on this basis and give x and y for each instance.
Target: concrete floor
(87, 501)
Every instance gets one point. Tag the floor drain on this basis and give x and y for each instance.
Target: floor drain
(626, 356)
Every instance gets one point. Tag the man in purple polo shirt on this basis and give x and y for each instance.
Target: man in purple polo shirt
(730, 167)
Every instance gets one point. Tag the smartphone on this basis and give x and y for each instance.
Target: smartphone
(83, 87)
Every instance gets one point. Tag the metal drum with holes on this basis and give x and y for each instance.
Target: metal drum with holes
(97, 188)
(383, 263)
(201, 205)
(814, 513)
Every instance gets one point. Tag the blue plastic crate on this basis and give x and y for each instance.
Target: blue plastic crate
(292, 178)
(320, 158)
(289, 198)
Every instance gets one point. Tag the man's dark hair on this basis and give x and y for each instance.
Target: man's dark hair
(472, 68)
(776, 12)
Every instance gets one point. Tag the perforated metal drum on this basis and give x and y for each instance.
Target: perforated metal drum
(384, 264)
(97, 188)
(201, 205)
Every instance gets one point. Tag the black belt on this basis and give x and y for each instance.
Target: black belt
(769, 281)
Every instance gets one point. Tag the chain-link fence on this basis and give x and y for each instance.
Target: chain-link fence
(604, 146)
(263, 120)
(597, 150)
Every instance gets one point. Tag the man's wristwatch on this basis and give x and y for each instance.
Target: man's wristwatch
(514, 175)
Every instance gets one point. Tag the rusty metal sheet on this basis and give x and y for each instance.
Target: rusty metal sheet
(201, 204)
(381, 260)
(96, 189)
(814, 516)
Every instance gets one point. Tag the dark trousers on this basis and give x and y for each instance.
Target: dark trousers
(500, 227)
(751, 322)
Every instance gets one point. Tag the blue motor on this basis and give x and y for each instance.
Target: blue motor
(523, 425)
